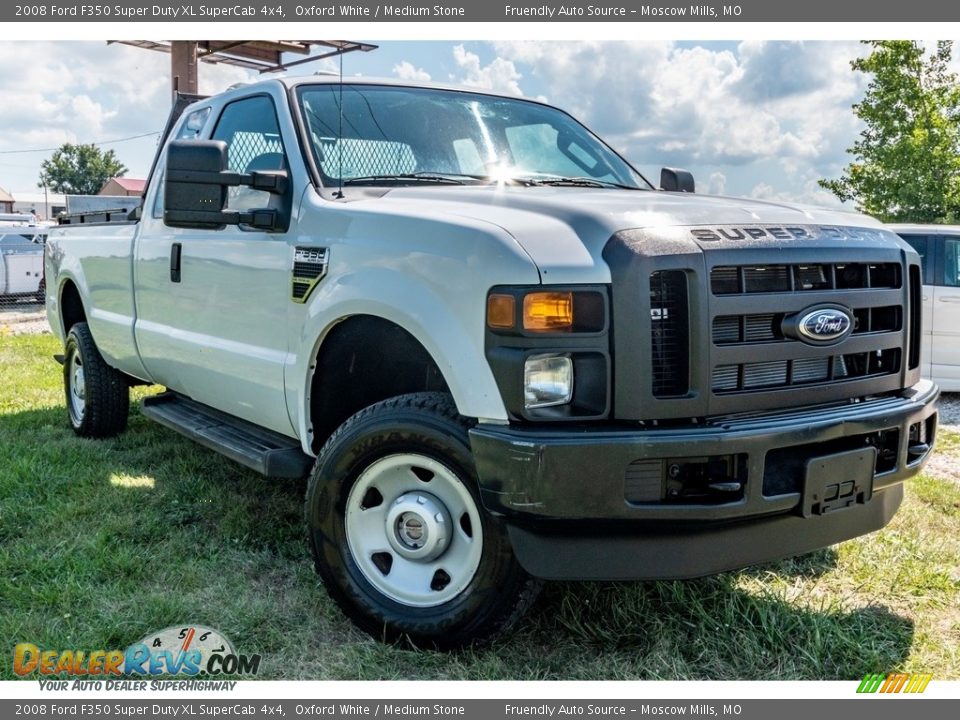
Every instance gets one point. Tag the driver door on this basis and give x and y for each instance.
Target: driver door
(212, 303)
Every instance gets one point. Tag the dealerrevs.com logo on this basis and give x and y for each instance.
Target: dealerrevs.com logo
(894, 683)
(187, 651)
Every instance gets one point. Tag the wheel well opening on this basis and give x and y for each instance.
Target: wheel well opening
(362, 361)
(71, 307)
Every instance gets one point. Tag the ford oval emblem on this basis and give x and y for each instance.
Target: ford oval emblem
(824, 325)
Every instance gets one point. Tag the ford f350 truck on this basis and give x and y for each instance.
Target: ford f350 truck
(500, 355)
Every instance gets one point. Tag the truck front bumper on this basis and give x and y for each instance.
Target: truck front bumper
(596, 503)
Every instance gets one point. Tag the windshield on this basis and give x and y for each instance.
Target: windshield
(408, 135)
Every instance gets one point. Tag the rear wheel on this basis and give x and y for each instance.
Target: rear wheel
(398, 533)
(98, 396)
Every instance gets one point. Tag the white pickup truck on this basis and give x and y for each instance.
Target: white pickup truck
(498, 352)
(21, 261)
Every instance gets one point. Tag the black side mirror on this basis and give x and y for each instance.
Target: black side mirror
(189, 198)
(676, 180)
(195, 189)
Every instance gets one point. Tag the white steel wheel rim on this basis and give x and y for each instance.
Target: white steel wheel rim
(401, 547)
(78, 386)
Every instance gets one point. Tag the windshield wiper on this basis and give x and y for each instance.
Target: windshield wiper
(559, 180)
(424, 177)
(463, 179)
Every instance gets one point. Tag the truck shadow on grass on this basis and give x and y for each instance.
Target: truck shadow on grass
(147, 530)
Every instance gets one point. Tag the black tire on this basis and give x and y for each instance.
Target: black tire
(99, 408)
(427, 426)
(42, 291)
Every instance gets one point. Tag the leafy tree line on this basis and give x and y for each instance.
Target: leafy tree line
(79, 169)
(906, 165)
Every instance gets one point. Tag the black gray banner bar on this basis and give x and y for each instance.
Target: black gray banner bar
(483, 11)
(874, 707)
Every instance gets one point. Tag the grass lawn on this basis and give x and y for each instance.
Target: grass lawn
(102, 542)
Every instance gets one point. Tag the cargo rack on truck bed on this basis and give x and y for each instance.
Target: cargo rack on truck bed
(99, 217)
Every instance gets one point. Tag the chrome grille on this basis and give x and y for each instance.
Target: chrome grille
(751, 353)
(758, 328)
(766, 327)
(787, 373)
(764, 374)
(811, 370)
(749, 279)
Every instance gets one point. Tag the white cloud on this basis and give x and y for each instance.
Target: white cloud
(408, 71)
(663, 103)
(86, 92)
(755, 113)
(90, 114)
(500, 75)
(605, 84)
(810, 193)
(717, 184)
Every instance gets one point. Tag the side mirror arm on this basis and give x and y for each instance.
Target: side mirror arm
(272, 181)
(266, 219)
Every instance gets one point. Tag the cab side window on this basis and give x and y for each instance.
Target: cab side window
(951, 263)
(190, 130)
(193, 125)
(252, 133)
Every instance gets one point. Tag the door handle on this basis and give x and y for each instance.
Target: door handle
(951, 299)
(175, 262)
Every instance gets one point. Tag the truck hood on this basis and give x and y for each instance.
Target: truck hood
(564, 229)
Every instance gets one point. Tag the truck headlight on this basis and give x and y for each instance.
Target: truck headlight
(547, 380)
(537, 312)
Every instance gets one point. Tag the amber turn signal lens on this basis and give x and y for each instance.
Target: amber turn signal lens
(548, 312)
(501, 311)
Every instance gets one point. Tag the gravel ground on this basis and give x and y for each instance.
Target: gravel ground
(23, 319)
(950, 411)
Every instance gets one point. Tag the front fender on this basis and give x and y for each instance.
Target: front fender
(450, 331)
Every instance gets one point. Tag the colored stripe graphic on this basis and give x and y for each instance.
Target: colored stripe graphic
(871, 683)
(894, 683)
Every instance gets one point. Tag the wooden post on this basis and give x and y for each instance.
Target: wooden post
(183, 66)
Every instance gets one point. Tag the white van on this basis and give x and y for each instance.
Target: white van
(939, 249)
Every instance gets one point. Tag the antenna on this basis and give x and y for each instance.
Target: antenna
(339, 194)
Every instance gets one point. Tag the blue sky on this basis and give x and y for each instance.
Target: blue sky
(761, 119)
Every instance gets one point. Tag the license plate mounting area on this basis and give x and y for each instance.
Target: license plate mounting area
(839, 481)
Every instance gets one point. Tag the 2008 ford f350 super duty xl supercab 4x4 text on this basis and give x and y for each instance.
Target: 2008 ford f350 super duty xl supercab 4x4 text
(499, 354)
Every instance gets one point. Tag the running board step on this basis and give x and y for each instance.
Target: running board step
(265, 451)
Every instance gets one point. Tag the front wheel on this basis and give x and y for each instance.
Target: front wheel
(398, 534)
(98, 396)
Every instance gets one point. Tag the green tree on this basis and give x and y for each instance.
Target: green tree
(79, 169)
(906, 164)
